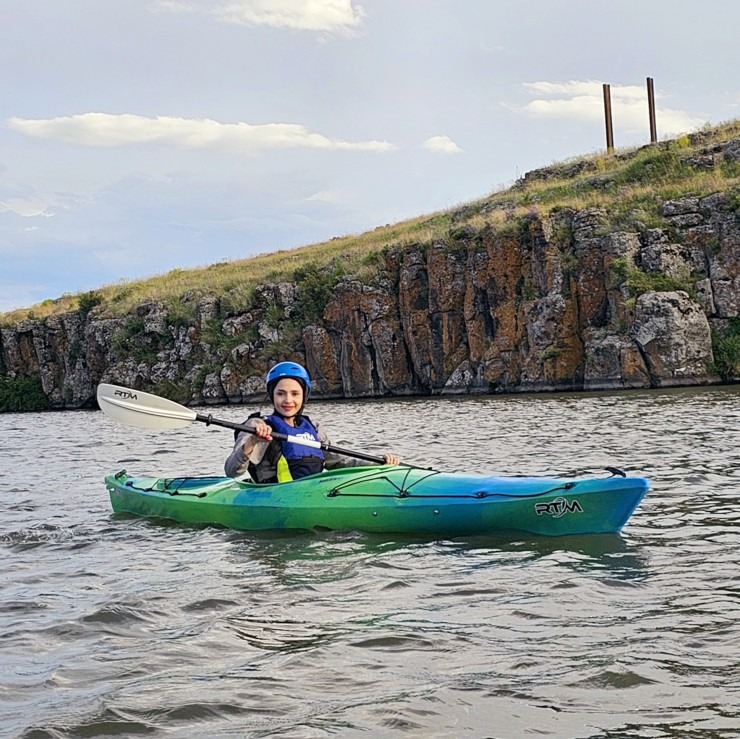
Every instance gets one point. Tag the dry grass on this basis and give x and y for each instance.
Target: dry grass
(630, 184)
(240, 276)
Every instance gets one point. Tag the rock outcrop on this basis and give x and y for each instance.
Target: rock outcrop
(556, 303)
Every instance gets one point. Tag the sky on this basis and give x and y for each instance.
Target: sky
(141, 136)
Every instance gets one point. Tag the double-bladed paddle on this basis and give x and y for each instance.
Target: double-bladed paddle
(137, 408)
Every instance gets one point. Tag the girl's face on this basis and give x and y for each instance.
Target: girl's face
(288, 397)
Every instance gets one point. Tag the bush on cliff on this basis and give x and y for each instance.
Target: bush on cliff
(316, 286)
(22, 394)
(726, 350)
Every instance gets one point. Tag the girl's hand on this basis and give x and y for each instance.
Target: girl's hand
(391, 458)
(263, 430)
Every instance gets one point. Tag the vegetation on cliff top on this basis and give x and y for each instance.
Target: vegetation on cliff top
(630, 185)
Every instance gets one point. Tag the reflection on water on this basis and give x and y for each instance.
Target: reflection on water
(112, 625)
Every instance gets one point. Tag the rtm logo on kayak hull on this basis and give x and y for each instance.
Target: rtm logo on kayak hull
(126, 394)
(558, 507)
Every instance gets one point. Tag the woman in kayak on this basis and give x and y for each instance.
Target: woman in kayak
(270, 460)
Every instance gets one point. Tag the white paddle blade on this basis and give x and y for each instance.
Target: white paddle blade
(137, 408)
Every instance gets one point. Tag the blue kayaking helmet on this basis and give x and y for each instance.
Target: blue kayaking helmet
(292, 370)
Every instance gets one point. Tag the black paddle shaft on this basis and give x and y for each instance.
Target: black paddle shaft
(210, 420)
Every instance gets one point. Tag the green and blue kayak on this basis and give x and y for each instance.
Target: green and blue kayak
(389, 500)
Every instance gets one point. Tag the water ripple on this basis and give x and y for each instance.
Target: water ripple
(111, 625)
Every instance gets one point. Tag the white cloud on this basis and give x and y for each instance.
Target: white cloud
(583, 100)
(586, 88)
(442, 145)
(325, 196)
(26, 208)
(104, 129)
(328, 16)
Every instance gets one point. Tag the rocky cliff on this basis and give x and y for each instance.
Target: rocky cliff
(557, 302)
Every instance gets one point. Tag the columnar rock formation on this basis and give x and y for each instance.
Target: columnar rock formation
(547, 303)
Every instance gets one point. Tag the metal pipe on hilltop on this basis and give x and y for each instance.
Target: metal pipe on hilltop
(608, 118)
(651, 111)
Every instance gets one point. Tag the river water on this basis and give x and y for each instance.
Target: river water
(116, 626)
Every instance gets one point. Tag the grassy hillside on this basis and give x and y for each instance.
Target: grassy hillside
(629, 184)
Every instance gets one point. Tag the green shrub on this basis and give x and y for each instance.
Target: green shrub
(315, 288)
(275, 315)
(180, 314)
(131, 341)
(87, 301)
(213, 335)
(726, 350)
(22, 394)
(637, 282)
